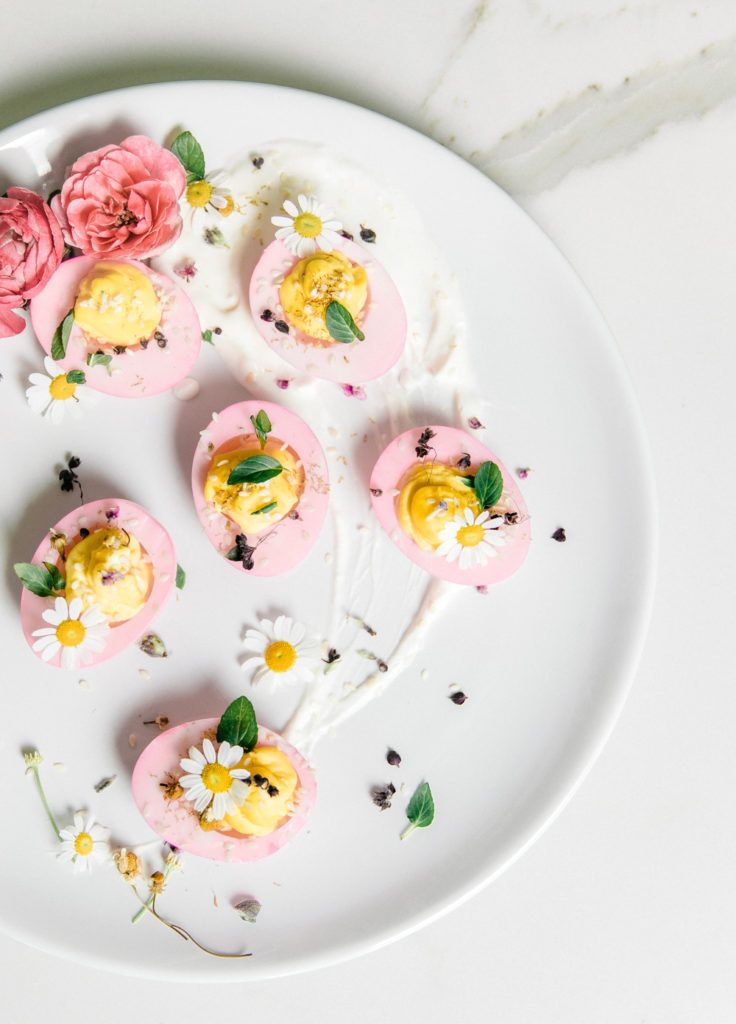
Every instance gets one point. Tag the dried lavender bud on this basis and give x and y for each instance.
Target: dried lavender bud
(511, 518)
(273, 791)
(217, 330)
(382, 666)
(474, 423)
(393, 758)
(108, 578)
(560, 535)
(281, 325)
(367, 234)
(267, 315)
(382, 796)
(294, 514)
(104, 783)
(144, 343)
(523, 472)
(242, 552)
(376, 492)
(332, 656)
(464, 462)
(458, 698)
(346, 234)
(423, 446)
(257, 162)
(160, 339)
(118, 349)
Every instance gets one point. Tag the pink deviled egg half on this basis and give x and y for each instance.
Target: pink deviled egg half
(382, 319)
(99, 579)
(266, 523)
(267, 814)
(133, 331)
(451, 506)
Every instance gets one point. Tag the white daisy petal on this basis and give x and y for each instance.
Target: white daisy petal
(219, 803)
(209, 750)
(191, 766)
(197, 755)
(223, 752)
(48, 652)
(291, 208)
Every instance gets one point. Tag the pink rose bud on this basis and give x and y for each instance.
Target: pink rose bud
(31, 247)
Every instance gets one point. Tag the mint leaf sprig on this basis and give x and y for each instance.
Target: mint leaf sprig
(262, 426)
(44, 580)
(238, 725)
(190, 155)
(487, 484)
(340, 324)
(256, 469)
(60, 339)
(420, 810)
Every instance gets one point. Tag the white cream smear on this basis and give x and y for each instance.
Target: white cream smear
(429, 384)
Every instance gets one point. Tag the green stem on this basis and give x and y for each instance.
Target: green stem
(408, 830)
(150, 901)
(45, 803)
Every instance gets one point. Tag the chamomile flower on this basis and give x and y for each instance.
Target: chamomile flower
(309, 227)
(77, 634)
(84, 844)
(281, 652)
(210, 192)
(471, 540)
(57, 392)
(213, 778)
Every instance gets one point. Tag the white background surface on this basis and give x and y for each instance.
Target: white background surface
(614, 127)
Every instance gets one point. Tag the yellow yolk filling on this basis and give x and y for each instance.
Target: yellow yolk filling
(260, 814)
(239, 502)
(109, 569)
(430, 497)
(117, 305)
(314, 283)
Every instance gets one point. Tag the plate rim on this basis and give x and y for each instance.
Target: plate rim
(598, 728)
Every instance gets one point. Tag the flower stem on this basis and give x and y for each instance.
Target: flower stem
(408, 830)
(44, 801)
(148, 904)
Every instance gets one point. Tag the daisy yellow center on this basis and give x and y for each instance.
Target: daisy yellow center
(470, 536)
(61, 389)
(84, 844)
(216, 778)
(70, 633)
(199, 193)
(308, 225)
(279, 656)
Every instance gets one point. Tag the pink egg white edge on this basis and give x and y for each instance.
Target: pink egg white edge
(176, 822)
(158, 545)
(289, 541)
(447, 446)
(137, 372)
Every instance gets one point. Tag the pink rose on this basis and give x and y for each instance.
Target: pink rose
(122, 200)
(31, 247)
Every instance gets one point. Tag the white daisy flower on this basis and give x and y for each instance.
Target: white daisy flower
(282, 652)
(77, 634)
(309, 229)
(212, 778)
(57, 394)
(210, 192)
(84, 844)
(471, 540)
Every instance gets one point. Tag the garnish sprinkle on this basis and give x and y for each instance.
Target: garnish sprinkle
(382, 796)
(340, 324)
(262, 426)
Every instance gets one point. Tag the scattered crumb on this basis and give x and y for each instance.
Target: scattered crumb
(132, 741)
(144, 674)
(59, 766)
(424, 675)
(84, 684)
(104, 783)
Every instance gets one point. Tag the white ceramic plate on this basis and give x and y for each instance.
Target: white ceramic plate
(546, 659)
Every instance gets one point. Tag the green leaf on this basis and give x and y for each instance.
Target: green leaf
(265, 508)
(256, 469)
(189, 154)
(181, 578)
(488, 484)
(340, 324)
(37, 578)
(76, 377)
(261, 425)
(57, 580)
(420, 810)
(61, 336)
(238, 725)
(207, 336)
(99, 358)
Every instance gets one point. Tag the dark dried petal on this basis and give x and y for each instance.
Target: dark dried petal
(560, 535)
(346, 234)
(367, 234)
(464, 462)
(257, 162)
(393, 758)
(382, 796)
(458, 697)
(376, 492)
(281, 325)
(267, 315)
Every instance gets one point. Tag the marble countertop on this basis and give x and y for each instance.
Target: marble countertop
(613, 124)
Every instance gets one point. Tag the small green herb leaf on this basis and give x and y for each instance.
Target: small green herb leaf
(57, 580)
(207, 336)
(261, 425)
(38, 579)
(61, 336)
(265, 508)
(189, 154)
(213, 236)
(181, 578)
(238, 725)
(340, 324)
(420, 810)
(99, 358)
(488, 484)
(76, 377)
(256, 469)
